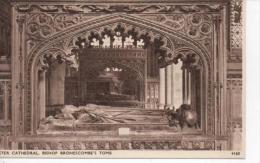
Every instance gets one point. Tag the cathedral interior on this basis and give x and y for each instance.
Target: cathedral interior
(121, 75)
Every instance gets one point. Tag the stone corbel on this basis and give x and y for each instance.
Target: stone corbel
(43, 66)
(189, 58)
(48, 59)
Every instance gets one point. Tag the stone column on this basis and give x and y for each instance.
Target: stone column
(184, 86)
(172, 86)
(42, 94)
(17, 68)
(6, 99)
(218, 64)
(177, 85)
(162, 88)
(193, 89)
(168, 87)
(57, 81)
(188, 87)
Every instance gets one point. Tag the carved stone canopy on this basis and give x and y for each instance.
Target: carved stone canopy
(198, 29)
(129, 37)
(58, 38)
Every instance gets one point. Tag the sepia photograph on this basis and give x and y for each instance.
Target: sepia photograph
(122, 78)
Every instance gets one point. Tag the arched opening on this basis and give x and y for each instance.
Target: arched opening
(107, 82)
(168, 79)
(181, 84)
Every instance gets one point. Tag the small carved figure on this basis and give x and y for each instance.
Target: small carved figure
(187, 116)
(184, 116)
(237, 12)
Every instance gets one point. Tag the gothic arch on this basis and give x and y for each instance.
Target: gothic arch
(63, 39)
(147, 25)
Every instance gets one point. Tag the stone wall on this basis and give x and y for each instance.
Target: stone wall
(5, 74)
(5, 28)
(5, 39)
(234, 75)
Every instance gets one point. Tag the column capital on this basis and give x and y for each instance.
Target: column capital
(43, 64)
(20, 19)
(216, 19)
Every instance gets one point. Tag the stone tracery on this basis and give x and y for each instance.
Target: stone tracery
(198, 27)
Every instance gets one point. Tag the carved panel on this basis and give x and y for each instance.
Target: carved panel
(43, 25)
(47, 20)
(235, 55)
(4, 141)
(234, 87)
(236, 26)
(124, 145)
(197, 26)
(234, 106)
(5, 108)
(112, 8)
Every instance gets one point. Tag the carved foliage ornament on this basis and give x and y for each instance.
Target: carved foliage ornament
(189, 58)
(196, 26)
(124, 145)
(163, 46)
(43, 25)
(120, 8)
(53, 56)
(130, 37)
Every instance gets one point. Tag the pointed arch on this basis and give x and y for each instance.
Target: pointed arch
(68, 35)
